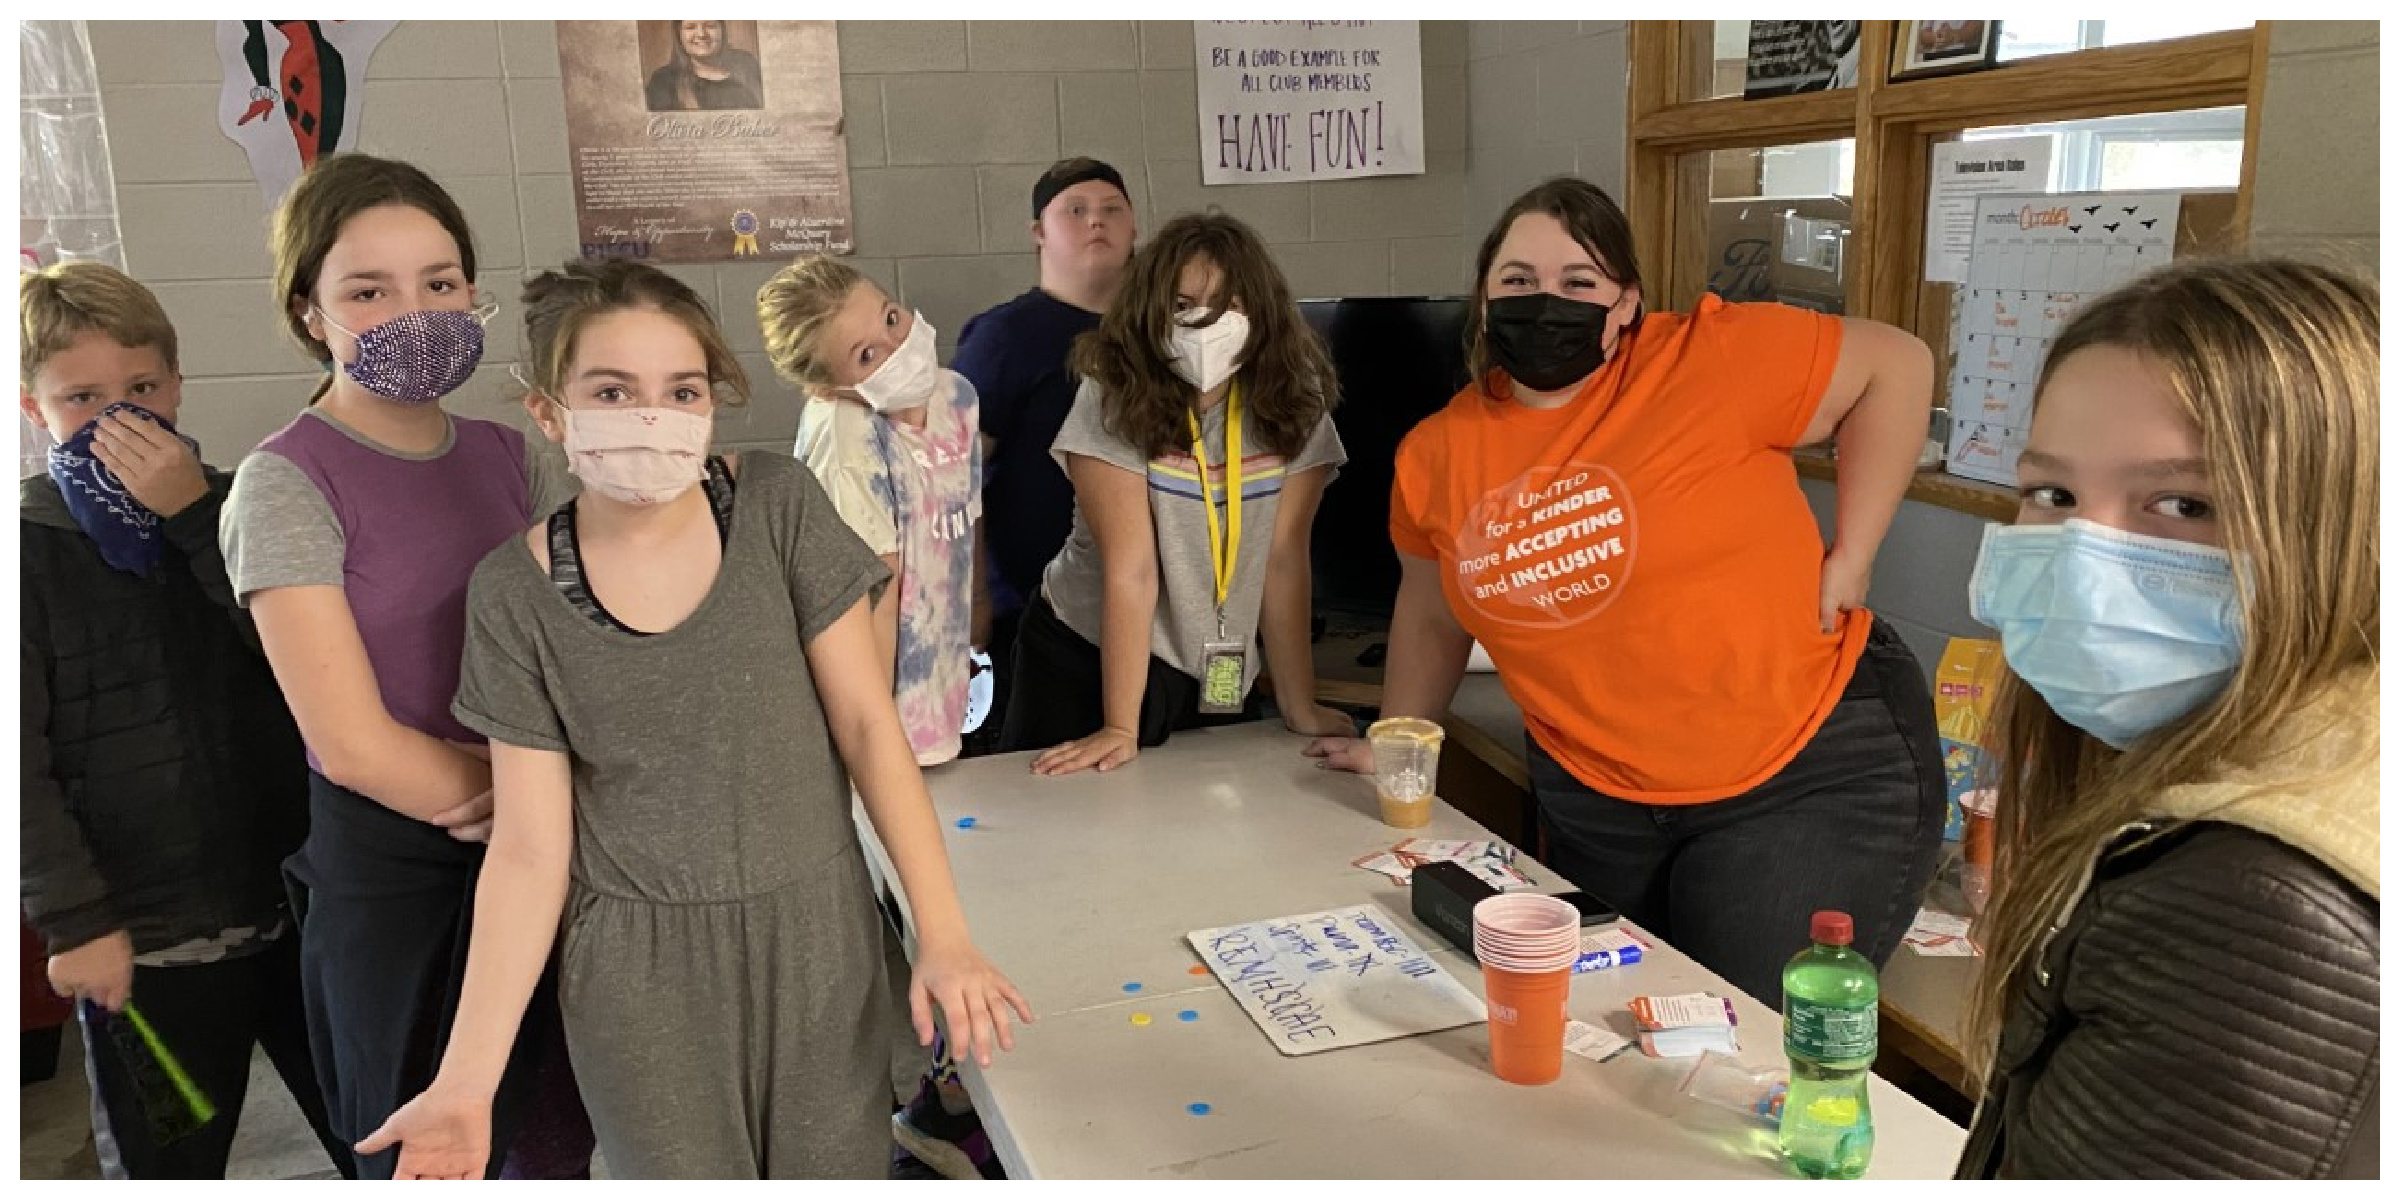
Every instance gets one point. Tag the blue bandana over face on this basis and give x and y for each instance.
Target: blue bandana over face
(127, 533)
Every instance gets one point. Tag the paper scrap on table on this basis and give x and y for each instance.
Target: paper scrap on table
(1936, 934)
(1593, 1042)
(1492, 862)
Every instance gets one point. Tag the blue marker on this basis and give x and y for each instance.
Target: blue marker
(1601, 959)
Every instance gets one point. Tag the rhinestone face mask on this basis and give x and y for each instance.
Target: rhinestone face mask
(418, 357)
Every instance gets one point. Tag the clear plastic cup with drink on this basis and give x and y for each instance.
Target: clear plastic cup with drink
(1408, 754)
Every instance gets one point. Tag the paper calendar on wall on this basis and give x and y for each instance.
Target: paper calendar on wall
(2035, 258)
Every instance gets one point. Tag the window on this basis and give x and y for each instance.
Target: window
(1832, 186)
(2034, 37)
(2200, 148)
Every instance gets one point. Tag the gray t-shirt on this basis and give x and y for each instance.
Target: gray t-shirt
(703, 767)
(1187, 592)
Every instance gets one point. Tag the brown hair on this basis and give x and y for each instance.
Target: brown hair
(793, 307)
(309, 221)
(558, 304)
(58, 304)
(740, 66)
(1287, 381)
(1590, 217)
(2278, 364)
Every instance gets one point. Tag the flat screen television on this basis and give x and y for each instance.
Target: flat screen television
(1399, 359)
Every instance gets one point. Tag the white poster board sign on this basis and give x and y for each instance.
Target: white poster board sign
(2035, 259)
(1327, 980)
(1961, 172)
(1296, 100)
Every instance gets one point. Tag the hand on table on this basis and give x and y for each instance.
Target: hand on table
(976, 1000)
(1320, 720)
(1343, 754)
(1105, 750)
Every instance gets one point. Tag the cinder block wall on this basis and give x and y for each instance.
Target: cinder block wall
(949, 123)
(2317, 193)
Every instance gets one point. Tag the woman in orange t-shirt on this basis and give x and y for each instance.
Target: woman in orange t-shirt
(1722, 740)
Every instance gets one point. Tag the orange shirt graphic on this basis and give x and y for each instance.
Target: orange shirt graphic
(1640, 562)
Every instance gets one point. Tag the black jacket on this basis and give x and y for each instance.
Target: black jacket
(2210, 1010)
(163, 779)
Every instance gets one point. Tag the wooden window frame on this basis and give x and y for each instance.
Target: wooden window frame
(1894, 125)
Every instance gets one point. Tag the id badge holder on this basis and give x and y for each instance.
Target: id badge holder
(1221, 676)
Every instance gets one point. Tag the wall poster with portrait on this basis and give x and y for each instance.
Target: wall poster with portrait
(706, 141)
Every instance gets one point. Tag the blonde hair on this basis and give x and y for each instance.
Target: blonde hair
(793, 308)
(558, 304)
(2278, 365)
(60, 303)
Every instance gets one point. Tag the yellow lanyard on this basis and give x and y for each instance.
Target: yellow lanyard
(1224, 546)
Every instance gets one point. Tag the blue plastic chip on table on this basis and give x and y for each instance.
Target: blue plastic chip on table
(1187, 1015)
(1197, 1110)
(1133, 987)
(966, 822)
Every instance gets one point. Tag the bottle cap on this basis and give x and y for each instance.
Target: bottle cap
(1829, 928)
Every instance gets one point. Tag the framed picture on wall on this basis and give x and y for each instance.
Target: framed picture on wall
(1942, 47)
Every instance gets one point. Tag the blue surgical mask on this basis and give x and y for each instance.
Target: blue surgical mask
(2121, 633)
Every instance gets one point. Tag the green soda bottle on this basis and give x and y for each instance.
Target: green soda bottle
(1829, 997)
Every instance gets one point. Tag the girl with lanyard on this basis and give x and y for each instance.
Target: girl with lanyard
(350, 535)
(1200, 442)
(681, 681)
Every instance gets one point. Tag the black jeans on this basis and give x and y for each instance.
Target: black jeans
(208, 1016)
(1055, 691)
(1853, 822)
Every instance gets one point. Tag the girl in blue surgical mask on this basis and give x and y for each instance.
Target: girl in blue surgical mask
(2185, 930)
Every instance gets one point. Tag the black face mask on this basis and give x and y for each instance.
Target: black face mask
(1546, 341)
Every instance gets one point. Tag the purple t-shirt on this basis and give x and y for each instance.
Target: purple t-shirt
(399, 532)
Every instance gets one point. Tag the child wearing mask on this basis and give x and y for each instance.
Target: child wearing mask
(891, 437)
(2183, 945)
(681, 680)
(350, 535)
(162, 780)
(1199, 444)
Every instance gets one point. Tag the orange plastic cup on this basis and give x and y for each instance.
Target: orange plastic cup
(1527, 1015)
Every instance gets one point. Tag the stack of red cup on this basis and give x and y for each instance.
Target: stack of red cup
(1527, 946)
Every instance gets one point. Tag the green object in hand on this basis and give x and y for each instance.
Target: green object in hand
(173, 1103)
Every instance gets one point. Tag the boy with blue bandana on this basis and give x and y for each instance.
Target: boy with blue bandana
(163, 780)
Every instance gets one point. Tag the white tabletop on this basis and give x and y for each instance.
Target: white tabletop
(1079, 886)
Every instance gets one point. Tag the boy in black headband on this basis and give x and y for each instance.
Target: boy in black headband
(1016, 356)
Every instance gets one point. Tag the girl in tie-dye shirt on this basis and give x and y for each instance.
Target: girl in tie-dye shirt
(892, 436)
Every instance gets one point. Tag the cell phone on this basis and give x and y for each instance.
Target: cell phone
(1593, 909)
